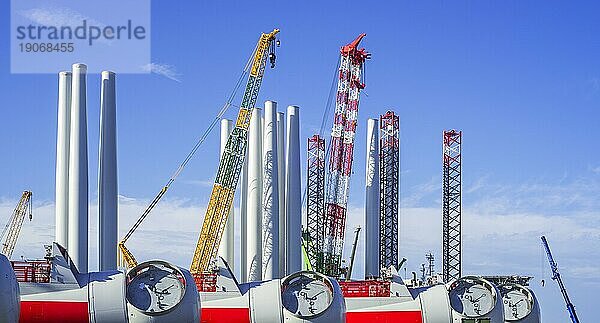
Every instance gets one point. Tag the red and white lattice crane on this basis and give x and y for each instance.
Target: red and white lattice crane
(341, 152)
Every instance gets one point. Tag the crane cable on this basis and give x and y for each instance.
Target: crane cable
(191, 154)
(324, 120)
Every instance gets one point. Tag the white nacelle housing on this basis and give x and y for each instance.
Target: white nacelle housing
(154, 291)
(9, 292)
(475, 298)
(520, 304)
(300, 297)
(312, 297)
(435, 305)
(106, 294)
(157, 291)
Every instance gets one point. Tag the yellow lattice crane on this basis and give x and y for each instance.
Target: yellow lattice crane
(13, 227)
(232, 160)
(264, 49)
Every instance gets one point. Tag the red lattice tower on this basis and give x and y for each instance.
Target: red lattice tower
(315, 200)
(341, 152)
(389, 169)
(451, 205)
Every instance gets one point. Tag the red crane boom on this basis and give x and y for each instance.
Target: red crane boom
(341, 152)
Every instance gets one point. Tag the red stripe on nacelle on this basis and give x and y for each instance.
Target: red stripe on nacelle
(225, 315)
(384, 317)
(44, 311)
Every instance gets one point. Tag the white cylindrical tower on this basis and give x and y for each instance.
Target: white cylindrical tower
(254, 206)
(281, 188)
(78, 171)
(293, 195)
(62, 159)
(372, 201)
(244, 220)
(107, 176)
(226, 248)
(270, 220)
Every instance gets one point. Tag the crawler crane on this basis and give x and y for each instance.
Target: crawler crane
(232, 160)
(341, 154)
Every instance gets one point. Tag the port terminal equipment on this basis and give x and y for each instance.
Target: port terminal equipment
(154, 291)
(354, 244)
(158, 288)
(476, 299)
(520, 303)
(558, 279)
(232, 161)
(10, 305)
(341, 152)
(304, 296)
(452, 206)
(13, 227)
(265, 49)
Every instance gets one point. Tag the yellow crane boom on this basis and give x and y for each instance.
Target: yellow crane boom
(232, 160)
(126, 258)
(13, 227)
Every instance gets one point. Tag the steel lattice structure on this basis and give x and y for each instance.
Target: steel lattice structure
(232, 160)
(451, 205)
(14, 225)
(341, 153)
(315, 201)
(561, 285)
(389, 166)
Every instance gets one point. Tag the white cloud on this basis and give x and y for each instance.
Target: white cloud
(170, 231)
(200, 182)
(501, 231)
(123, 198)
(594, 83)
(496, 223)
(479, 183)
(56, 17)
(419, 193)
(165, 70)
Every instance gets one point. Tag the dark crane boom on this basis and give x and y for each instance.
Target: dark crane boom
(556, 276)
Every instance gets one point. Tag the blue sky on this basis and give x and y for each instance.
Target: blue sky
(520, 78)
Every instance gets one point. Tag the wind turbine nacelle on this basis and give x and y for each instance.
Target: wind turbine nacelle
(154, 291)
(474, 297)
(9, 292)
(520, 304)
(158, 291)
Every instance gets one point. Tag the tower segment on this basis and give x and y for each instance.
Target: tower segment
(341, 154)
(372, 201)
(451, 205)
(389, 169)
